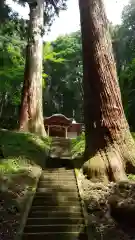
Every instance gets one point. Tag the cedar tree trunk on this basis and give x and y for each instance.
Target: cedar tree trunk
(110, 148)
(31, 112)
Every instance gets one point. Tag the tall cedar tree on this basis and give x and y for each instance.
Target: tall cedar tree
(31, 111)
(110, 148)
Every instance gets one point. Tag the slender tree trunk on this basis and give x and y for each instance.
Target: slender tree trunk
(2, 103)
(110, 148)
(31, 112)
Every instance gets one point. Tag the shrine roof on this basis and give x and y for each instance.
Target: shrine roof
(57, 119)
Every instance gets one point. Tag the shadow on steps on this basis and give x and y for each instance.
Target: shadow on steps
(59, 163)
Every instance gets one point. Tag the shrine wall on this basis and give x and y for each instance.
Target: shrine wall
(71, 134)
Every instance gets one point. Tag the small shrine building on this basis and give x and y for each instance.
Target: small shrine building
(59, 125)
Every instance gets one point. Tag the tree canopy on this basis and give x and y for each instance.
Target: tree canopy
(62, 68)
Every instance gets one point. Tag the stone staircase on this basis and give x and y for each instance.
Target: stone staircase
(56, 211)
(60, 148)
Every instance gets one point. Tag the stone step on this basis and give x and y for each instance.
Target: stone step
(49, 221)
(41, 214)
(63, 144)
(62, 147)
(53, 171)
(44, 202)
(44, 194)
(65, 155)
(62, 181)
(57, 196)
(51, 192)
(58, 152)
(62, 156)
(58, 181)
(54, 228)
(60, 141)
(53, 202)
(58, 173)
(66, 147)
(55, 236)
(53, 208)
(57, 178)
(64, 173)
(54, 191)
(59, 188)
(57, 185)
(62, 169)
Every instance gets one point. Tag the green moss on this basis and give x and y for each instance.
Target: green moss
(21, 148)
(24, 156)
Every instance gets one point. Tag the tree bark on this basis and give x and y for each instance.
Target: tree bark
(31, 112)
(110, 148)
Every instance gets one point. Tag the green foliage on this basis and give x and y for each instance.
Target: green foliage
(50, 55)
(131, 177)
(126, 79)
(124, 38)
(78, 146)
(124, 48)
(63, 65)
(12, 46)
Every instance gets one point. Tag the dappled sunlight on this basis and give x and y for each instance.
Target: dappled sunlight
(64, 188)
(14, 190)
(25, 146)
(24, 154)
(57, 204)
(110, 209)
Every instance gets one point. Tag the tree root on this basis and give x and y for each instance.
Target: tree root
(113, 161)
(107, 165)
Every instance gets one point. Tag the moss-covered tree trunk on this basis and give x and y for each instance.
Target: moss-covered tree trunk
(110, 147)
(31, 113)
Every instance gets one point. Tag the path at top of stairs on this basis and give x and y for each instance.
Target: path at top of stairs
(60, 148)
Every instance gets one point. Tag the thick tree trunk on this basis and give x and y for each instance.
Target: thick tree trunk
(31, 113)
(110, 147)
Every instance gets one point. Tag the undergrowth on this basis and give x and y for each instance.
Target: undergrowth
(24, 156)
(21, 148)
(78, 146)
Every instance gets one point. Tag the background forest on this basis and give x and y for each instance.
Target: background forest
(62, 69)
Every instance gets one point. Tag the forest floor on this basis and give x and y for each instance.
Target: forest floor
(110, 208)
(24, 155)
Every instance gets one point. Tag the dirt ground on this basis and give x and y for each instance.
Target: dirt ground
(110, 208)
